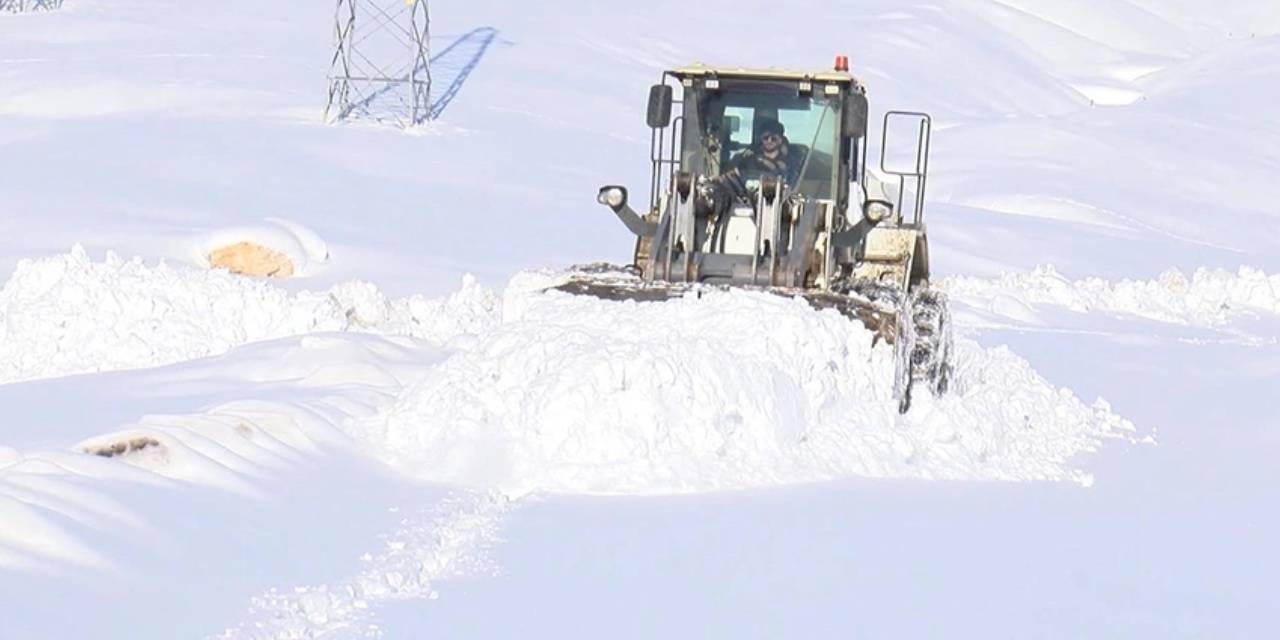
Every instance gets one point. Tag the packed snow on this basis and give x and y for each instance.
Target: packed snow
(449, 541)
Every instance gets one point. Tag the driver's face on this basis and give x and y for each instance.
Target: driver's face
(771, 141)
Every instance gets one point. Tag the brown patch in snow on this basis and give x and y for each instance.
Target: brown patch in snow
(249, 259)
(122, 447)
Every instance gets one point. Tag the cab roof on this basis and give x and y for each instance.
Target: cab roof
(699, 70)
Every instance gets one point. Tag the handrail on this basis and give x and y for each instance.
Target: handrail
(921, 172)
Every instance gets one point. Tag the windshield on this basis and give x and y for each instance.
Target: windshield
(762, 128)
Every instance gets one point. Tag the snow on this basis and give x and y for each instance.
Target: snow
(414, 439)
(449, 542)
(1210, 298)
(68, 314)
(574, 394)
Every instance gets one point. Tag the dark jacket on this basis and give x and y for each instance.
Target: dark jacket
(751, 163)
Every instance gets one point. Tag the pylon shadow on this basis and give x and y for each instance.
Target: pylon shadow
(453, 65)
(449, 68)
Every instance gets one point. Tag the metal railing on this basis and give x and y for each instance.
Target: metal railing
(919, 172)
(658, 157)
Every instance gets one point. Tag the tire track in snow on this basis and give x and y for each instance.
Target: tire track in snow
(448, 541)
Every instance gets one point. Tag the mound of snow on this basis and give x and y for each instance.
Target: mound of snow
(734, 389)
(68, 314)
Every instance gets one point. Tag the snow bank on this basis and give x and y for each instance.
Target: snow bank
(1210, 298)
(735, 389)
(68, 314)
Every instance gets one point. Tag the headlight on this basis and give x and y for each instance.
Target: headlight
(877, 211)
(612, 197)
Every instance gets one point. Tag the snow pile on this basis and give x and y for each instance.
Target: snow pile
(68, 314)
(1210, 298)
(735, 389)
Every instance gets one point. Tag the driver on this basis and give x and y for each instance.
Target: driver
(771, 154)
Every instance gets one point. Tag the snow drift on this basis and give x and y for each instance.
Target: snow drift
(733, 389)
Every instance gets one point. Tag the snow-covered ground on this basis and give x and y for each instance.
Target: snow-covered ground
(413, 439)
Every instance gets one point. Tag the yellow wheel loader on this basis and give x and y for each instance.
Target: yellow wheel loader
(761, 181)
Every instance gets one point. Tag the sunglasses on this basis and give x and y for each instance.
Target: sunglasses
(775, 136)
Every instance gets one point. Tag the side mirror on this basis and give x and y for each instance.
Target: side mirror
(855, 115)
(659, 115)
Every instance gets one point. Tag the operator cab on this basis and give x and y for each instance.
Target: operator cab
(726, 114)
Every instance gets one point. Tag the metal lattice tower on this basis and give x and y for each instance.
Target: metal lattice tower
(381, 68)
(25, 6)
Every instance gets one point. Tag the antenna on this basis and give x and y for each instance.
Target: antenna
(381, 67)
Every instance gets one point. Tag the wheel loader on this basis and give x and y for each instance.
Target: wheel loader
(761, 181)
